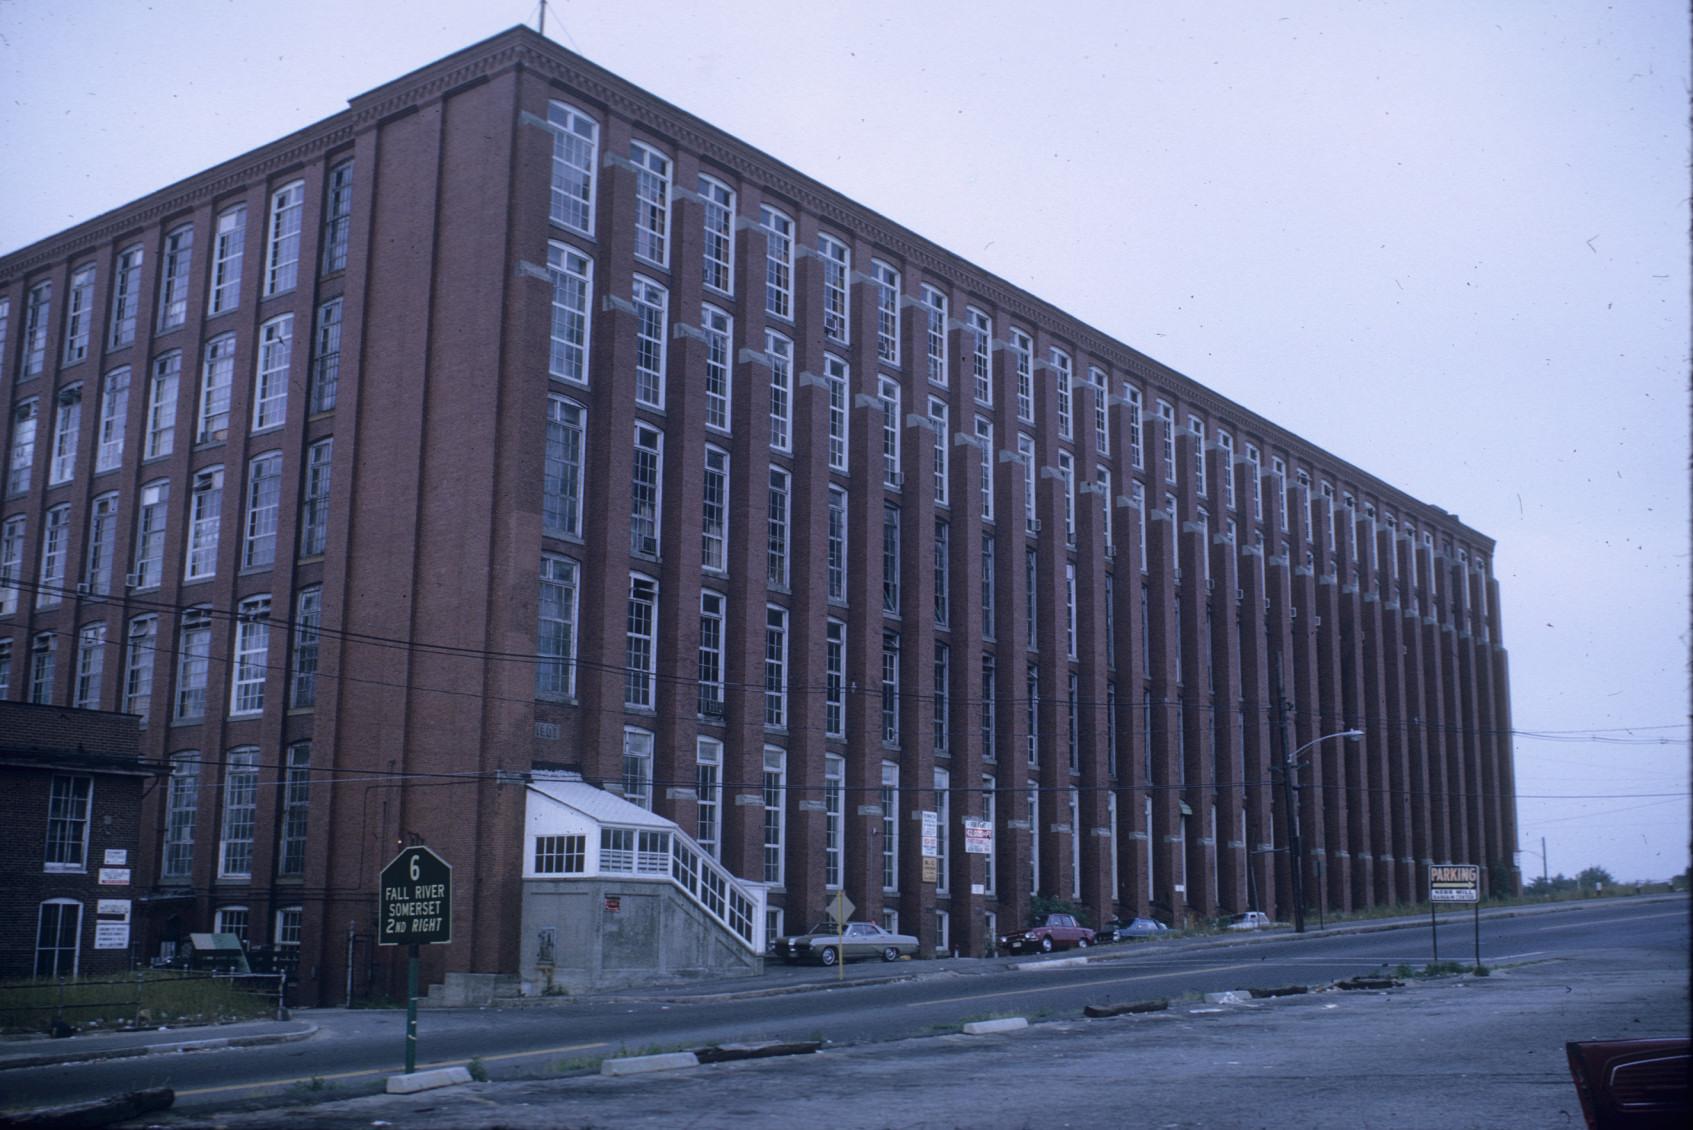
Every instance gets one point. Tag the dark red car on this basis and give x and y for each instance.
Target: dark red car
(1049, 932)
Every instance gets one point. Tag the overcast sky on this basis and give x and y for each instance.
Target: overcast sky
(1446, 241)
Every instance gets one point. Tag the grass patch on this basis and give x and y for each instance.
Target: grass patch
(141, 1000)
(478, 1070)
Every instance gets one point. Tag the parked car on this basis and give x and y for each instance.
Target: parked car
(1117, 929)
(1049, 932)
(1251, 920)
(828, 943)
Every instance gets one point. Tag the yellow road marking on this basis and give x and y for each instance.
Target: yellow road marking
(381, 1070)
(1090, 984)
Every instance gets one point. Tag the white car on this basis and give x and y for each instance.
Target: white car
(1251, 920)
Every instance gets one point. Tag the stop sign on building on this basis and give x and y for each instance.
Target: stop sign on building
(416, 899)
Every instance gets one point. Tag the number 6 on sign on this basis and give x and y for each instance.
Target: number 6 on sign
(414, 868)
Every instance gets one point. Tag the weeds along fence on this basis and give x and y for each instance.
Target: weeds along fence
(143, 999)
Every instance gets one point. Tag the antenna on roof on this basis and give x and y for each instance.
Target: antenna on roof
(541, 26)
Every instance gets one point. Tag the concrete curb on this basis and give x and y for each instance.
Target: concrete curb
(14, 1062)
(641, 1064)
(1050, 963)
(988, 1027)
(427, 1080)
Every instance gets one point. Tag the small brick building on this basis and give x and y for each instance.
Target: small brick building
(71, 783)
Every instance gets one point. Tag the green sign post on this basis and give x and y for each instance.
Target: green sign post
(415, 907)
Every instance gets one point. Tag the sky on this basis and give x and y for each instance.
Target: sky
(1446, 241)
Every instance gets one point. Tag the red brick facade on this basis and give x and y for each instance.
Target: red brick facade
(454, 347)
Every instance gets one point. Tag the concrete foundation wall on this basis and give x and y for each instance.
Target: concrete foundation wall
(653, 932)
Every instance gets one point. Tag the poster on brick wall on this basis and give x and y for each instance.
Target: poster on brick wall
(111, 935)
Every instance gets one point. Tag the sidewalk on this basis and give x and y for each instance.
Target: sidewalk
(41, 1051)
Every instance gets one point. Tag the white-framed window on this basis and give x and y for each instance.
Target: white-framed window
(652, 311)
(719, 330)
(941, 432)
(576, 141)
(555, 632)
(887, 391)
(90, 666)
(1067, 473)
(775, 792)
(780, 351)
(990, 809)
(943, 572)
(942, 717)
(640, 654)
(985, 453)
(1196, 427)
(140, 644)
(890, 827)
(67, 429)
(1278, 467)
(270, 384)
(1326, 489)
(1167, 414)
(886, 279)
(562, 468)
(114, 416)
(778, 539)
(302, 668)
(282, 253)
(161, 405)
(834, 678)
(1102, 482)
(714, 511)
(252, 655)
(652, 203)
(1072, 729)
(1101, 420)
(126, 298)
(778, 262)
(182, 807)
(264, 496)
(1070, 609)
(326, 359)
(713, 609)
(990, 712)
(1026, 455)
(943, 821)
(205, 506)
(289, 922)
(836, 377)
(890, 688)
(1075, 845)
(835, 548)
(229, 240)
(231, 920)
(1255, 470)
(38, 307)
(240, 806)
(55, 547)
(1303, 477)
(980, 328)
(718, 201)
(890, 559)
(1137, 446)
(1023, 359)
(5, 329)
(58, 938)
(1063, 375)
(708, 792)
(1226, 442)
(638, 766)
(935, 307)
(1031, 707)
(572, 274)
(837, 294)
(314, 498)
(217, 374)
(11, 561)
(5, 669)
(775, 666)
(79, 313)
(175, 263)
(43, 659)
(645, 489)
(834, 819)
(151, 515)
(22, 461)
(1033, 816)
(338, 217)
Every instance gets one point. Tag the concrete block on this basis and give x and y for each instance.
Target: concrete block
(427, 1080)
(1049, 963)
(1233, 996)
(1004, 1024)
(640, 1064)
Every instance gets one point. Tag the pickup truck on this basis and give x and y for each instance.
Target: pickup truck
(1049, 932)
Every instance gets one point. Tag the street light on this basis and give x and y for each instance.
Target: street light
(1290, 789)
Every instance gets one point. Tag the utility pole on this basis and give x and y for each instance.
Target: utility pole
(1290, 798)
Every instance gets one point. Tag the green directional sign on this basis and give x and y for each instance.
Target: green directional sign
(416, 900)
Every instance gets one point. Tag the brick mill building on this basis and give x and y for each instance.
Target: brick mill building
(514, 420)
